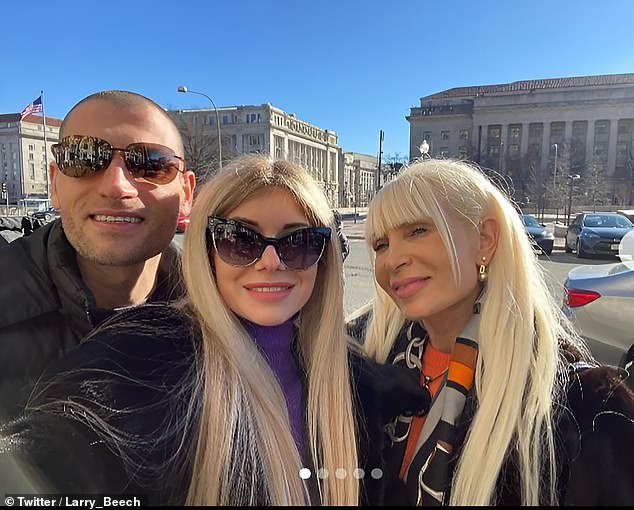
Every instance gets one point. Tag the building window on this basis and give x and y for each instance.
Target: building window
(535, 130)
(252, 143)
(621, 150)
(462, 152)
(225, 119)
(31, 147)
(515, 131)
(557, 129)
(514, 150)
(278, 143)
(444, 135)
(579, 128)
(494, 131)
(601, 127)
(599, 149)
(625, 126)
(212, 120)
(464, 134)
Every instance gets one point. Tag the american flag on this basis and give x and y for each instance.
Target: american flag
(34, 107)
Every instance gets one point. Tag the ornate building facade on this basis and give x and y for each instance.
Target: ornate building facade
(357, 179)
(538, 134)
(262, 129)
(24, 156)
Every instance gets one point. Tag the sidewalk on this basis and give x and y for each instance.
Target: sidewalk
(354, 230)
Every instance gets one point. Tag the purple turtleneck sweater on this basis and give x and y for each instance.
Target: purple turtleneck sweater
(276, 344)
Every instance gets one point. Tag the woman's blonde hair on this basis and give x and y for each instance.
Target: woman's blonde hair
(245, 444)
(518, 378)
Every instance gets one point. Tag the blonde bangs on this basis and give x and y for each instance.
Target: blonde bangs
(410, 200)
(400, 202)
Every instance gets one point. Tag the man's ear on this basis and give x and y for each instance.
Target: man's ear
(52, 175)
(489, 232)
(189, 185)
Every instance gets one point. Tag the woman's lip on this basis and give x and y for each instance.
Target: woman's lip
(269, 292)
(408, 287)
(267, 285)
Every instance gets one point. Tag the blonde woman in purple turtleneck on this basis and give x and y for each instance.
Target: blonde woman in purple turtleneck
(246, 393)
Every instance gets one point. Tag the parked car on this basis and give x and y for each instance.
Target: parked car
(183, 223)
(628, 213)
(537, 231)
(596, 233)
(46, 214)
(599, 299)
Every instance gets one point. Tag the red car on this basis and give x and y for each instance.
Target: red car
(183, 222)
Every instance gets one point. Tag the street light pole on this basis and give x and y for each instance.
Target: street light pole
(555, 183)
(378, 173)
(572, 178)
(501, 156)
(184, 89)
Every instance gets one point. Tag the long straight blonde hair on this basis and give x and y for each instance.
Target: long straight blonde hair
(245, 452)
(518, 378)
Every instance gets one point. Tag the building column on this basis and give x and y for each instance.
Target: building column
(524, 140)
(590, 142)
(503, 146)
(568, 132)
(614, 124)
(546, 148)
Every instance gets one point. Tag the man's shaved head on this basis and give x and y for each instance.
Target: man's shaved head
(125, 99)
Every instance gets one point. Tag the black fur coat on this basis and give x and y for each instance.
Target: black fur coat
(138, 380)
(594, 434)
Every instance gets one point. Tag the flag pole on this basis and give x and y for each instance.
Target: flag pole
(48, 198)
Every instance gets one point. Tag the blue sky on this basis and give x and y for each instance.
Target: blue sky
(354, 67)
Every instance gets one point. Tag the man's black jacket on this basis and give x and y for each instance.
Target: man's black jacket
(45, 308)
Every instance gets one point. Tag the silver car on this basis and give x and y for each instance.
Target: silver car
(599, 299)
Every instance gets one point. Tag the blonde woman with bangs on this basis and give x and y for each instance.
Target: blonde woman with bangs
(245, 393)
(520, 414)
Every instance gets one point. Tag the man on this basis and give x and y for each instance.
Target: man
(345, 244)
(120, 183)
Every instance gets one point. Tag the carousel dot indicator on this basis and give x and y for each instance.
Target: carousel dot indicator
(376, 473)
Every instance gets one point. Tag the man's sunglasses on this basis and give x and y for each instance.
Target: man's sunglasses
(238, 245)
(79, 156)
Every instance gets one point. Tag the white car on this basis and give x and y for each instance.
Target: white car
(599, 299)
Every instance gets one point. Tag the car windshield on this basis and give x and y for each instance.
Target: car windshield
(531, 221)
(599, 220)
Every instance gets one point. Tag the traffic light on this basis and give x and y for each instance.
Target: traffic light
(4, 188)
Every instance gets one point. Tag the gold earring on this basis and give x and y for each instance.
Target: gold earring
(482, 272)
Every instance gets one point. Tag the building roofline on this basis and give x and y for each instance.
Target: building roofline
(532, 85)
(31, 119)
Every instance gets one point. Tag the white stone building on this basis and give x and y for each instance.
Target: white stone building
(538, 132)
(261, 129)
(23, 157)
(357, 179)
